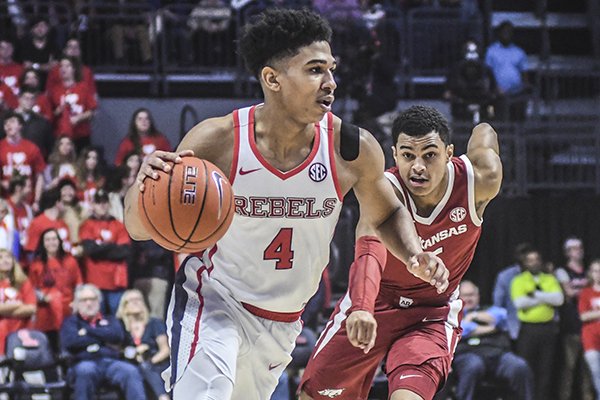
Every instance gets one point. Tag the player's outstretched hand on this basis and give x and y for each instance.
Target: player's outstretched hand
(158, 160)
(430, 268)
(362, 329)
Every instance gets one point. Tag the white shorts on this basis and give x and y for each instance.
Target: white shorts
(250, 351)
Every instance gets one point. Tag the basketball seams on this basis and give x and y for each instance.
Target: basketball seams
(147, 222)
(229, 211)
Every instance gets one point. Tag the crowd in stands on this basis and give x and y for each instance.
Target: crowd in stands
(69, 269)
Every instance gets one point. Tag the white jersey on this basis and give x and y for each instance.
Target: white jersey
(273, 255)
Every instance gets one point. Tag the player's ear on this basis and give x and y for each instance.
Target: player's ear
(450, 151)
(269, 76)
(395, 154)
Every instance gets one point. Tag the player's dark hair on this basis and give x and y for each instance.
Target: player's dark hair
(418, 121)
(278, 33)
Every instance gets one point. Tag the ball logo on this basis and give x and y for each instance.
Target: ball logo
(458, 214)
(317, 172)
(219, 183)
(189, 185)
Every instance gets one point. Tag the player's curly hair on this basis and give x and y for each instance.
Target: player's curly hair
(419, 121)
(278, 33)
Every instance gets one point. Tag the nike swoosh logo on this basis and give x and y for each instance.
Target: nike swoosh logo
(432, 319)
(409, 376)
(249, 171)
(271, 366)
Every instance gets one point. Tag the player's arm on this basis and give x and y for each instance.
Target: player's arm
(204, 140)
(484, 152)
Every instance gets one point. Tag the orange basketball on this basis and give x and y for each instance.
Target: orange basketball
(189, 209)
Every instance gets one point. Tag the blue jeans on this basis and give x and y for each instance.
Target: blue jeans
(86, 377)
(151, 373)
(592, 357)
(282, 391)
(110, 301)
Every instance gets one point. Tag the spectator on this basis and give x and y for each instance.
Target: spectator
(471, 87)
(120, 182)
(573, 279)
(142, 138)
(132, 24)
(72, 49)
(19, 189)
(17, 297)
(36, 50)
(484, 350)
(51, 216)
(61, 163)
(589, 310)
(93, 340)
(91, 174)
(42, 106)
(54, 274)
(73, 104)
(501, 293)
(509, 63)
(19, 155)
(152, 269)
(209, 24)
(10, 70)
(106, 250)
(36, 127)
(9, 235)
(146, 337)
(8, 100)
(537, 296)
(74, 214)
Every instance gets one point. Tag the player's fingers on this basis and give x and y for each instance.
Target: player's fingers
(183, 153)
(438, 272)
(351, 331)
(444, 283)
(371, 343)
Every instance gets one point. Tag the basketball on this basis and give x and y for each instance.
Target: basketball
(189, 209)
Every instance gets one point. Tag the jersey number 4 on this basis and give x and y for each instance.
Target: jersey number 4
(280, 249)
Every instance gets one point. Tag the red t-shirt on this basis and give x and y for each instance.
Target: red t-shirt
(149, 144)
(24, 156)
(105, 274)
(78, 99)
(66, 276)
(53, 81)
(10, 75)
(589, 299)
(7, 98)
(25, 294)
(40, 224)
(43, 107)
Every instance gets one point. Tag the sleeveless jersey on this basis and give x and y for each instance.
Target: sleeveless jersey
(274, 253)
(451, 231)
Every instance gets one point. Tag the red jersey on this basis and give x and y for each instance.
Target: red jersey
(53, 81)
(451, 231)
(149, 144)
(9, 294)
(42, 223)
(7, 98)
(24, 157)
(43, 107)
(60, 277)
(102, 272)
(78, 99)
(589, 299)
(10, 75)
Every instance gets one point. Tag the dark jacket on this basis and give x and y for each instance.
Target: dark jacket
(86, 342)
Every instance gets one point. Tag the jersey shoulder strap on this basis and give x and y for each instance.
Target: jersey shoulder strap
(349, 141)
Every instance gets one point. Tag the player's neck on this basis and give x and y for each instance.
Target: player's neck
(426, 204)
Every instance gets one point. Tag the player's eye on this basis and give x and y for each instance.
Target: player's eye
(408, 156)
(430, 155)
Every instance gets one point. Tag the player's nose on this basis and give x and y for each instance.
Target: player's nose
(329, 82)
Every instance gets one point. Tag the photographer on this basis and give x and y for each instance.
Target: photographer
(145, 340)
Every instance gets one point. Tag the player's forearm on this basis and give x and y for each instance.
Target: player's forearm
(399, 235)
(131, 217)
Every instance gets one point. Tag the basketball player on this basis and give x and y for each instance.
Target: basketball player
(235, 311)
(387, 312)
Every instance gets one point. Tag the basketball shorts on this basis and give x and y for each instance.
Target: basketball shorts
(205, 321)
(417, 343)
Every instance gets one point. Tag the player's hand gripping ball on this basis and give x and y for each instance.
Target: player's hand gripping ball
(188, 209)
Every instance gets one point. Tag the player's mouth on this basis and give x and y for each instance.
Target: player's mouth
(326, 102)
(418, 181)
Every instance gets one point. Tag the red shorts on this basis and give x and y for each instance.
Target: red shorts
(419, 344)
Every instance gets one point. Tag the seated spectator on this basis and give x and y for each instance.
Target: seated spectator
(42, 106)
(471, 87)
(10, 70)
(9, 235)
(143, 138)
(106, 249)
(484, 350)
(589, 311)
(209, 24)
(19, 189)
(36, 127)
(61, 163)
(22, 156)
(508, 62)
(73, 213)
(91, 174)
(17, 297)
(72, 49)
(145, 340)
(54, 274)
(119, 183)
(94, 341)
(8, 100)
(36, 50)
(130, 27)
(73, 104)
(537, 296)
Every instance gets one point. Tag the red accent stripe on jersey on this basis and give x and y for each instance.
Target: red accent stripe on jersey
(273, 315)
(199, 316)
(331, 140)
(280, 174)
(236, 146)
